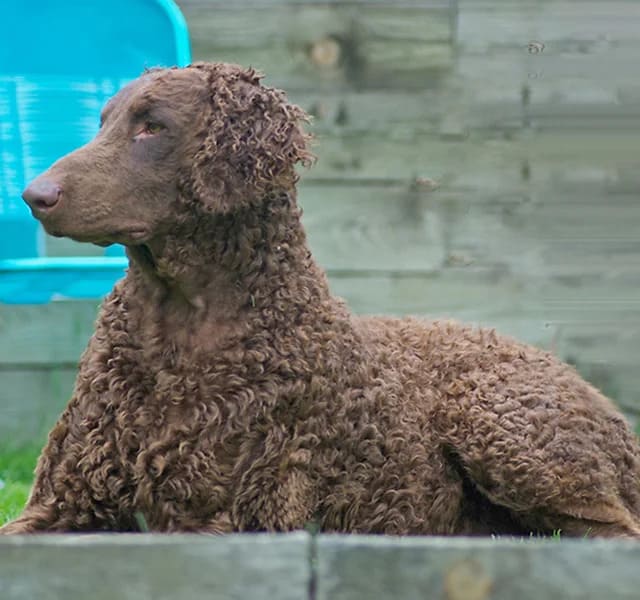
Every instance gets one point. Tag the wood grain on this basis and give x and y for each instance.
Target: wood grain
(475, 569)
(146, 567)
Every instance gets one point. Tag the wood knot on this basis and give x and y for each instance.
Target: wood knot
(467, 580)
(325, 52)
(425, 184)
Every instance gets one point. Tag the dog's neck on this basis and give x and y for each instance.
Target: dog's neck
(223, 266)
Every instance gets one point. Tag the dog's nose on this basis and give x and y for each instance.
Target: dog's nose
(42, 195)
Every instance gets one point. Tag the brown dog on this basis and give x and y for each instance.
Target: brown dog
(225, 389)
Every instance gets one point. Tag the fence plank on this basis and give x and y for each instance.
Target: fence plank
(399, 227)
(44, 334)
(31, 399)
(304, 45)
(282, 566)
(145, 567)
(355, 568)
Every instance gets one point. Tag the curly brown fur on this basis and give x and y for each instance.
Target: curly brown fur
(225, 389)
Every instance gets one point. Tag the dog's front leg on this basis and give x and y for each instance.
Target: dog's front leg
(275, 493)
(62, 498)
(53, 508)
(34, 520)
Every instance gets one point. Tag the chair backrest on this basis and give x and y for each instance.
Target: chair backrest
(59, 63)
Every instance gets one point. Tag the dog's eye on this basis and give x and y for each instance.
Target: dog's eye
(152, 128)
(148, 129)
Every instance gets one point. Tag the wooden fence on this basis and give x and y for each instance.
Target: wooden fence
(297, 567)
(477, 160)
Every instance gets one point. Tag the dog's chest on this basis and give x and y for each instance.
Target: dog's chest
(175, 440)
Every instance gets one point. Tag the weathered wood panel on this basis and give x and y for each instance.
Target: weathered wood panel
(40, 346)
(45, 334)
(295, 565)
(356, 568)
(368, 226)
(589, 32)
(145, 567)
(31, 399)
(311, 45)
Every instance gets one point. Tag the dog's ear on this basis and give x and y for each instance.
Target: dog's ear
(252, 141)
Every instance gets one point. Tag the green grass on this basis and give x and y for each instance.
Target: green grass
(16, 476)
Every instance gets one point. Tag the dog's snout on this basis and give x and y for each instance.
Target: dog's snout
(42, 195)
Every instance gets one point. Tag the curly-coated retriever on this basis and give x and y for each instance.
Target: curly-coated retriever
(225, 389)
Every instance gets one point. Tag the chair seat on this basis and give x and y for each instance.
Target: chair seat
(41, 280)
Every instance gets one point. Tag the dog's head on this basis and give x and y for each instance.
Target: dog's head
(173, 144)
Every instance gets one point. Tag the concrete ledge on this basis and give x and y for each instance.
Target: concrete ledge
(296, 565)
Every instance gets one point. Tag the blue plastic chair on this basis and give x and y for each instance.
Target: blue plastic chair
(59, 63)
